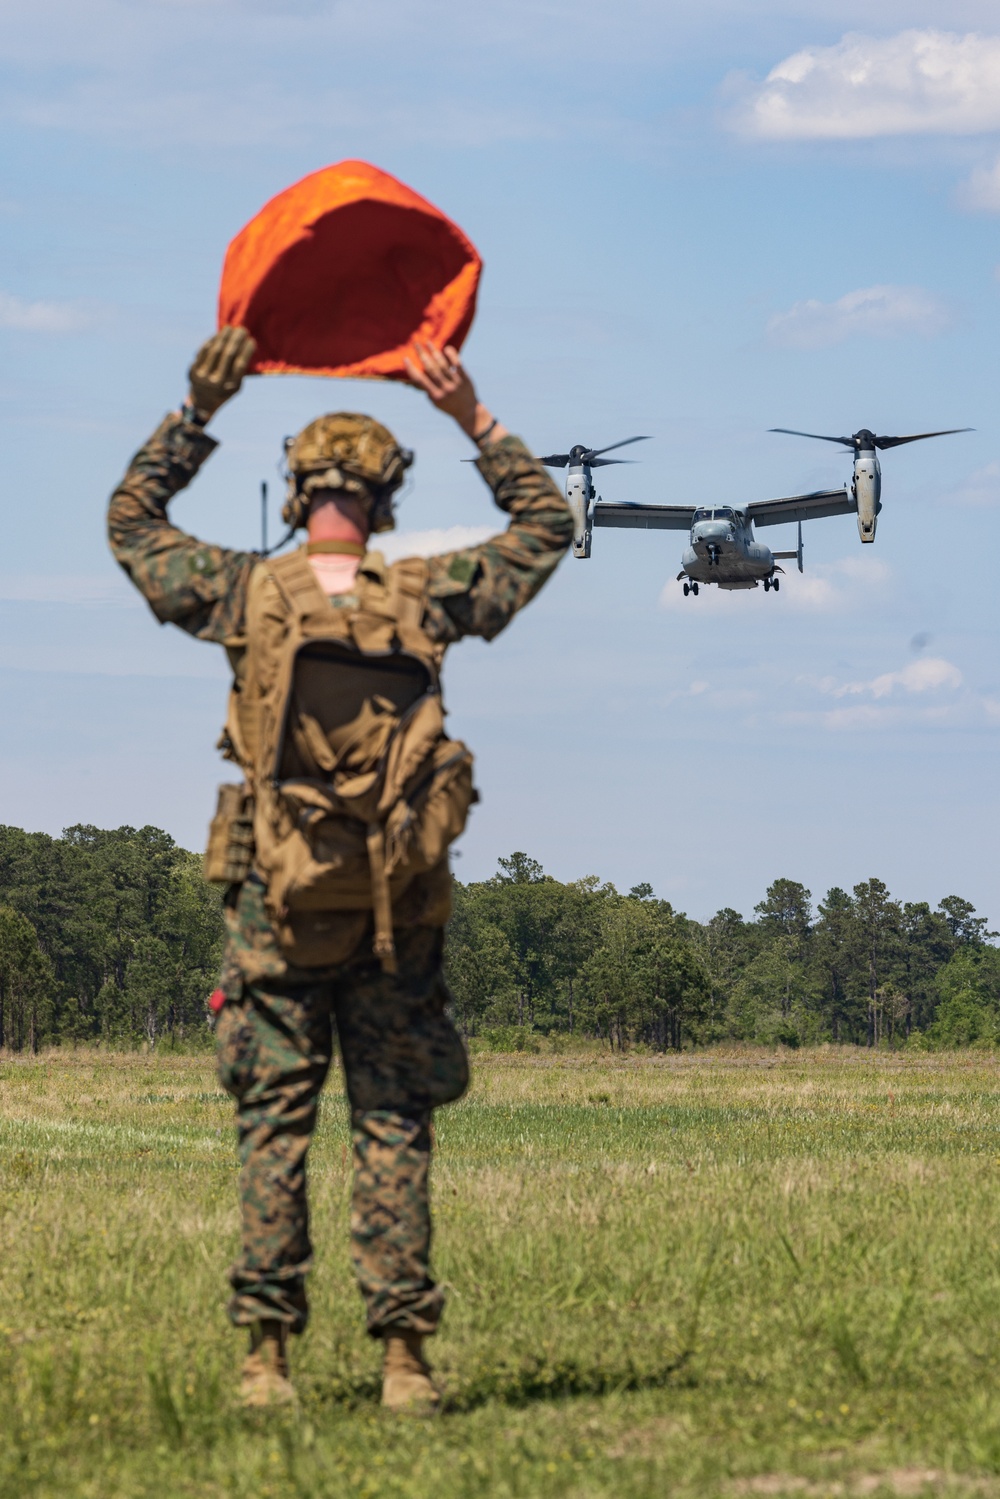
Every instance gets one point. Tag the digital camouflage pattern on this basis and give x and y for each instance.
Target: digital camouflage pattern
(401, 1055)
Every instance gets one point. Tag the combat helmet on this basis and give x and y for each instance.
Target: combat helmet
(350, 452)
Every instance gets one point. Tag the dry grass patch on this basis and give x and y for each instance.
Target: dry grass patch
(896, 1483)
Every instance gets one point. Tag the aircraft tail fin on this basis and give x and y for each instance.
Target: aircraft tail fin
(795, 556)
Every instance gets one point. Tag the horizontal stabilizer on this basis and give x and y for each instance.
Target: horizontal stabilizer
(797, 554)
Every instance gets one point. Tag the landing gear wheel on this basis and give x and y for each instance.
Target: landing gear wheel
(767, 584)
(694, 589)
(687, 589)
(774, 584)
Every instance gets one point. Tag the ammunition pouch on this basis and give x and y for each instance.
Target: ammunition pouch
(229, 854)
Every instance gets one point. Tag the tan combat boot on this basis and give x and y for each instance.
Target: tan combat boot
(265, 1369)
(406, 1377)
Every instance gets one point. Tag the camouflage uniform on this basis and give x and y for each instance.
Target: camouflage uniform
(400, 1051)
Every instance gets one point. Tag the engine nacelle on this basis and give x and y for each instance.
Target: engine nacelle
(579, 493)
(867, 489)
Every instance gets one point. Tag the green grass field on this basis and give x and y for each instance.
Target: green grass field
(716, 1274)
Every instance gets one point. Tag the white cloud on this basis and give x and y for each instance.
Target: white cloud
(965, 709)
(929, 674)
(980, 192)
(861, 717)
(871, 312)
(396, 544)
(234, 73)
(929, 693)
(42, 317)
(831, 587)
(916, 82)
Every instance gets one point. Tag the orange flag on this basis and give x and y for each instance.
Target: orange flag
(340, 273)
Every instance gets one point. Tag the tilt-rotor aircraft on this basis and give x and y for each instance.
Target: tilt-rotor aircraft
(722, 547)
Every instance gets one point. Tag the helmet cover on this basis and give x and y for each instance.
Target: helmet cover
(350, 452)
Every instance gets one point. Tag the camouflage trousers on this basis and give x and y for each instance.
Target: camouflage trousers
(401, 1057)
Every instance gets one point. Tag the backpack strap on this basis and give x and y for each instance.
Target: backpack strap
(297, 583)
(383, 945)
(408, 600)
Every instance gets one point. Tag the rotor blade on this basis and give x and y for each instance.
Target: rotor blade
(848, 442)
(602, 462)
(594, 451)
(895, 442)
(555, 460)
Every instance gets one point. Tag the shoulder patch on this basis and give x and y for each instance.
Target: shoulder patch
(462, 568)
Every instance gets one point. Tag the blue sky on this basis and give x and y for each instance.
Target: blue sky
(698, 221)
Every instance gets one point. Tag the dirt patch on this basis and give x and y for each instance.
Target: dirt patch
(906, 1483)
(647, 1440)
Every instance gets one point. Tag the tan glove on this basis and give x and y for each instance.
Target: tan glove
(218, 369)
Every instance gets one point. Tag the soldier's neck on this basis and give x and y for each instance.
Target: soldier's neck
(336, 520)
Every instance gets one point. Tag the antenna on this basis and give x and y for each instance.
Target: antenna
(263, 518)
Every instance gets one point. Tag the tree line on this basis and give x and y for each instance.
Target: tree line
(107, 936)
(531, 954)
(113, 937)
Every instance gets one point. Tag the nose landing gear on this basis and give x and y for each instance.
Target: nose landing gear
(771, 583)
(690, 588)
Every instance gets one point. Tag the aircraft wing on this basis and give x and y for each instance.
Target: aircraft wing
(815, 506)
(643, 517)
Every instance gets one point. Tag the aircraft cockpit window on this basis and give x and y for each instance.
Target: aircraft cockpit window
(725, 514)
(701, 515)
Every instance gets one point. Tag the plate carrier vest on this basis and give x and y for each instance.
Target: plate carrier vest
(337, 722)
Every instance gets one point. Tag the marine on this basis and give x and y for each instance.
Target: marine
(333, 849)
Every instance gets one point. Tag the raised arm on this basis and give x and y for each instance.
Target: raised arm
(478, 590)
(187, 582)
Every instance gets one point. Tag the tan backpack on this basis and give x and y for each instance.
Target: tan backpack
(338, 724)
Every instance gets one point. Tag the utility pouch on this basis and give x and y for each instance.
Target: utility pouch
(230, 838)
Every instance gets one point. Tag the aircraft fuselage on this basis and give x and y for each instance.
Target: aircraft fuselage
(723, 550)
